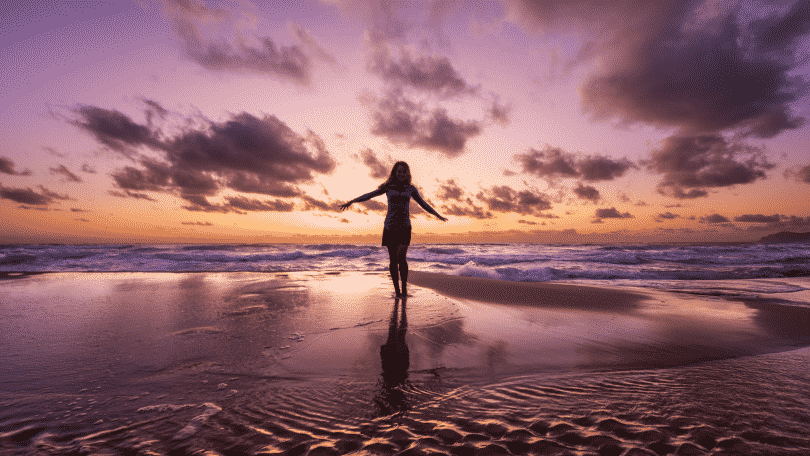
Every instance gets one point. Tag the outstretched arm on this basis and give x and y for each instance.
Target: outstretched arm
(362, 198)
(418, 198)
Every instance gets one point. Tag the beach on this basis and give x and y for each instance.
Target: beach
(324, 362)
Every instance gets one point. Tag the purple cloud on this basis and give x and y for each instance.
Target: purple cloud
(68, 176)
(246, 153)
(403, 121)
(714, 218)
(692, 164)
(553, 162)
(216, 39)
(587, 192)
(433, 74)
(7, 167)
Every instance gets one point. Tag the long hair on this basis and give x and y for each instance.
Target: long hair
(392, 178)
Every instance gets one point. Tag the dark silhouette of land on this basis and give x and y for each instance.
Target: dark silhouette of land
(785, 237)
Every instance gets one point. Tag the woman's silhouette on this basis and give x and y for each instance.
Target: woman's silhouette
(397, 228)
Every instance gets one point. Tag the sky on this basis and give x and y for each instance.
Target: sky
(581, 121)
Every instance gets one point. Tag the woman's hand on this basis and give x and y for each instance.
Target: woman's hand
(343, 207)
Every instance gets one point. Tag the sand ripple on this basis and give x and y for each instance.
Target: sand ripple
(752, 406)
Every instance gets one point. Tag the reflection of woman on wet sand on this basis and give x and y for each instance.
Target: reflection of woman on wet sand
(394, 354)
(395, 360)
(397, 228)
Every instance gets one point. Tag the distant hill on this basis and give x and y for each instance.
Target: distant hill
(785, 236)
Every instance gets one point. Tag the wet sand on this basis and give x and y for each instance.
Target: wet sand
(320, 363)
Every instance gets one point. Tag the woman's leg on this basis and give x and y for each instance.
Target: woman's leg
(402, 261)
(393, 267)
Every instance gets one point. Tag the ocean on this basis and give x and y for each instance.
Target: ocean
(668, 267)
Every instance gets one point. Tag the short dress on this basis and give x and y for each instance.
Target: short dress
(397, 227)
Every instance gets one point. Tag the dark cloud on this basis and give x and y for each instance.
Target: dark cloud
(803, 174)
(796, 221)
(264, 57)
(403, 121)
(550, 162)
(694, 65)
(76, 209)
(396, 117)
(154, 110)
(598, 168)
(374, 206)
(587, 192)
(379, 169)
(703, 74)
(553, 162)
(527, 222)
(611, 213)
(466, 208)
(68, 176)
(53, 195)
(311, 204)
(246, 204)
(505, 199)
(446, 135)
(245, 153)
(693, 164)
(264, 146)
(200, 204)
(778, 34)
(24, 196)
(88, 169)
(433, 74)
(53, 152)
(714, 218)
(500, 113)
(114, 129)
(771, 123)
(130, 194)
(7, 167)
(154, 176)
(666, 216)
(792, 222)
(217, 40)
(758, 218)
(28, 196)
(311, 44)
(252, 183)
(198, 223)
(545, 15)
(238, 205)
(450, 190)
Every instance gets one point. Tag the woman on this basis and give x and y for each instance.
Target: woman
(397, 228)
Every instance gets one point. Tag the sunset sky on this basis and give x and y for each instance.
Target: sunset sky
(528, 121)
